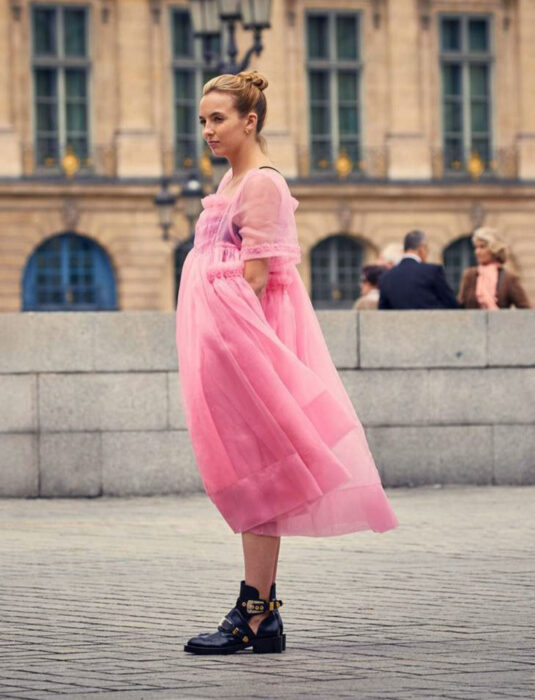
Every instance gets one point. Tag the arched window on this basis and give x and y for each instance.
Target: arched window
(457, 257)
(180, 255)
(336, 263)
(69, 272)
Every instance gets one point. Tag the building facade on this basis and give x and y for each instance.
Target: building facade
(384, 115)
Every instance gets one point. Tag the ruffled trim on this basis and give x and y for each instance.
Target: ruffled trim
(278, 280)
(214, 200)
(270, 249)
(222, 270)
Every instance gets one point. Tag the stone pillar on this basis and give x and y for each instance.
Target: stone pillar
(10, 147)
(526, 68)
(138, 145)
(408, 151)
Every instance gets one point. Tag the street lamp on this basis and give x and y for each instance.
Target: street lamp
(192, 193)
(165, 201)
(209, 16)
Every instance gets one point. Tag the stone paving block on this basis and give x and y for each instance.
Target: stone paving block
(409, 456)
(19, 471)
(84, 402)
(514, 454)
(97, 593)
(512, 337)
(148, 463)
(340, 331)
(70, 464)
(177, 418)
(18, 407)
(423, 339)
(135, 341)
(38, 342)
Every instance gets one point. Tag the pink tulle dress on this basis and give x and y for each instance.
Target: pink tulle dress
(277, 441)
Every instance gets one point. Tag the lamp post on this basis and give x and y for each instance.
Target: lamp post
(210, 16)
(165, 201)
(192, 193)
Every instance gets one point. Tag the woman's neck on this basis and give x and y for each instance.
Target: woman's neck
(247, 159)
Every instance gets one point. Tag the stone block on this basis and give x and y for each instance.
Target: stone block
(82, 402)
(37, 342)
(10, 148)
(514, 454)
(396, 397)
(18, 407)
(512, 338)
(340, 331)
(417, 456)
(422, 339)
(135, 340)
(70, 464)
(177, 418)
(138, 153)
(441, 396)
(493, 395)
(147, 463)
(19, 472)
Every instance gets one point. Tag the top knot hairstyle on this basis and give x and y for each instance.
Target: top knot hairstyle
(247, 89)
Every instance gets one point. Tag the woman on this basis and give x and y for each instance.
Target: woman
(277, 441)
(489, 285)
(369, 288)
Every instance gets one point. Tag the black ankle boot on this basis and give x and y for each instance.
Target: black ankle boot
(234, 633)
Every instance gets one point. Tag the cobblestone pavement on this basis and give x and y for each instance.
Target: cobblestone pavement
(98, 596)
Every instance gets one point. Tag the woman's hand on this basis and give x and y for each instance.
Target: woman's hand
(256, 273)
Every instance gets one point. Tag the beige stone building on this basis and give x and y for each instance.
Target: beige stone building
(384, 115)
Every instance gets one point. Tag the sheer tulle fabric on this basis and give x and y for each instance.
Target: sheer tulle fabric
(278, 444)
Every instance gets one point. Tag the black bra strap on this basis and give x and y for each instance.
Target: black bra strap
(271, 168)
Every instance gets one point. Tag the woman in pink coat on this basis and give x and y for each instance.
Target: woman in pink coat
(278, 444)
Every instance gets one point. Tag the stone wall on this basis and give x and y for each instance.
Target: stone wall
(90, 401)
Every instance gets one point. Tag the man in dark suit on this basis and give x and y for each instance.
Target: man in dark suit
(413, 283)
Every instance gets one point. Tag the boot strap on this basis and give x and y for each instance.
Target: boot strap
(258, 607)
(227, 625)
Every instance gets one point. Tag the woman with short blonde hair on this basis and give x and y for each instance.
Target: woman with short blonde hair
(278, 444)
(489, 285)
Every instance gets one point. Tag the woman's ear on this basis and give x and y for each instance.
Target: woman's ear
(252, 119)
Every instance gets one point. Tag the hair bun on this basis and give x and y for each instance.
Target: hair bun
(255, 78)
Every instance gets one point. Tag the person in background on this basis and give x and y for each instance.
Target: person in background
(413, 283)
(390, 255)
(369, 288)
(489, 285)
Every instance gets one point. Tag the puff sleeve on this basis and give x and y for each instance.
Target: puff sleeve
(263, 218)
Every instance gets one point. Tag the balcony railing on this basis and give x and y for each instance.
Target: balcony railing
(101, 161)
(371, 164)
(503, 165)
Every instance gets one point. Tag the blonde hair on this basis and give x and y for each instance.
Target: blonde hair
(247, 89)
(490, 236)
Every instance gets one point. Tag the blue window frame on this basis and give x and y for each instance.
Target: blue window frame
(69, 272)
(61, 64)
(336, 264)
(457, 257)
(334, 75)
(189, 76)
(466, 59)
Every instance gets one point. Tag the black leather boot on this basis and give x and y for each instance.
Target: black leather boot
(234, 633)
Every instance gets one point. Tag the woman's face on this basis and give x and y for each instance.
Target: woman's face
(483, 254)
(223, 128)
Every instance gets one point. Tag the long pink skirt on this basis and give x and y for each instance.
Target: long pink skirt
(277, 441)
